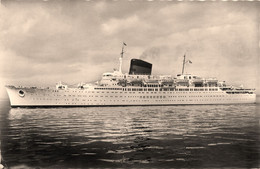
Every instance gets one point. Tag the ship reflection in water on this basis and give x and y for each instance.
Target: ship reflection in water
(158, 136)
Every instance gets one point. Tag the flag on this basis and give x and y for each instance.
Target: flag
(189, 61)
(124, 43)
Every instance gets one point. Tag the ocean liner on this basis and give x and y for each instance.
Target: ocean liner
(138, 87)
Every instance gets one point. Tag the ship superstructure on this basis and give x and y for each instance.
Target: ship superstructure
(138, 87)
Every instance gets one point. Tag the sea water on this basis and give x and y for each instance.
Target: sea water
(136, 136)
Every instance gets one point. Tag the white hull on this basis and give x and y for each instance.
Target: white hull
(123, 97)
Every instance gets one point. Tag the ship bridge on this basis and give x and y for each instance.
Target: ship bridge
(186, 76)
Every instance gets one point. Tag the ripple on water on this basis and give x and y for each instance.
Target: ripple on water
(175, 136)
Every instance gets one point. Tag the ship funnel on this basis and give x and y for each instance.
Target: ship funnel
(140, 67)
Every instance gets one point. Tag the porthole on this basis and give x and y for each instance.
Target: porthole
(21, 93)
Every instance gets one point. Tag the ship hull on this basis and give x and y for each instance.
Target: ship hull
(74, 97)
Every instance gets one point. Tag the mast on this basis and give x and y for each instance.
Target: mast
(183, 65)
(121, 58)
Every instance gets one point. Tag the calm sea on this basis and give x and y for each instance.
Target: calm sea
(158, 136)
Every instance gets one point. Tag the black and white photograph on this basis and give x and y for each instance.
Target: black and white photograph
(129, 84)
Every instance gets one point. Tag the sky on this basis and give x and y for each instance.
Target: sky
(44, 42)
